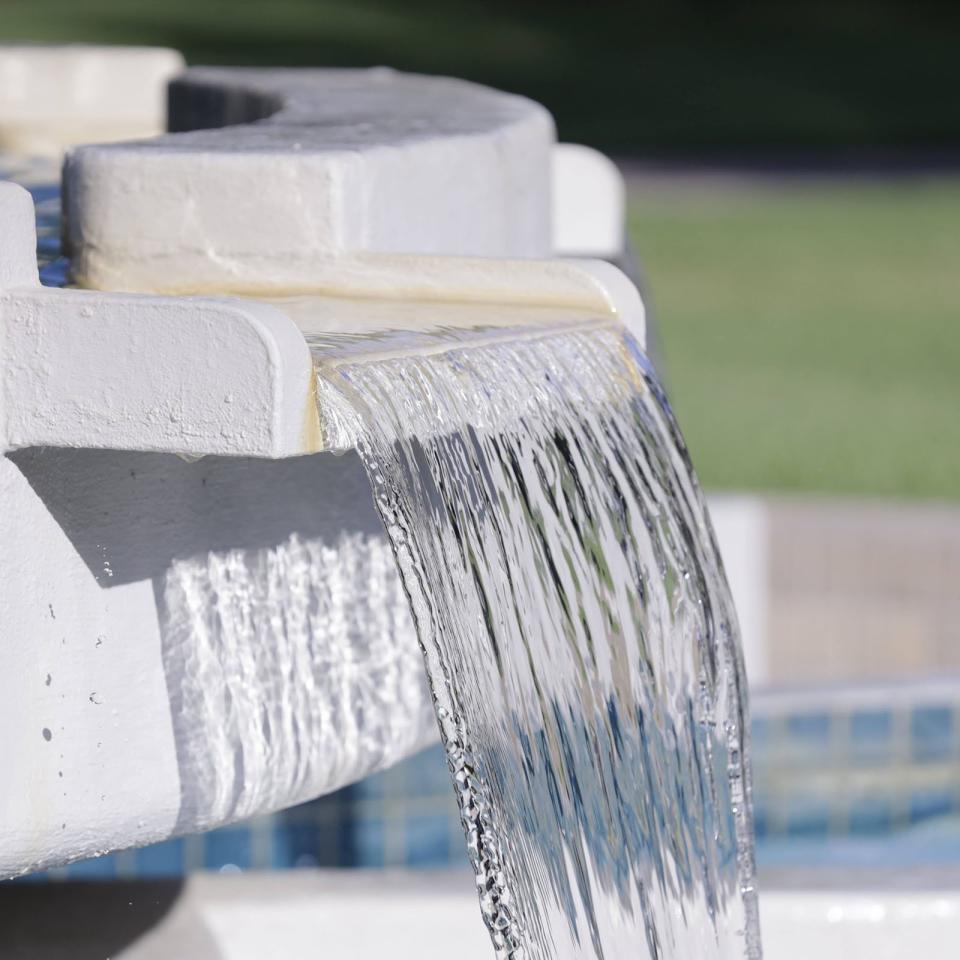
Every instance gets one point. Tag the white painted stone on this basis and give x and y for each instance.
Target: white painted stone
(742, 529)
(187, 643)
(342, 160)
(18, 238)
(589, 203)
(83, 701)
(203, 375)
(52, 97)
(187, 375)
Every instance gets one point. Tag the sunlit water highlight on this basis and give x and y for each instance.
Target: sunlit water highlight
(579, 639)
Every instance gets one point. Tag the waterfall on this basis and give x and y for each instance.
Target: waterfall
(579, 639)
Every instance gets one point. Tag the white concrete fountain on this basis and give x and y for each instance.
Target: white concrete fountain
(392, 206)
(288, 205)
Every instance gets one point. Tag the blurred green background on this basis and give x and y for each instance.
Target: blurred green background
(794, 174)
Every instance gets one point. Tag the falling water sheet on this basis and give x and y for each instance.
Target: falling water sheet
(579, 639)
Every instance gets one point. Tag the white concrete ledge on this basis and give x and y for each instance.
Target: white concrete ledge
(186, 375)
(206, 375)
(52, 97)
(317, 163)
(219, 375)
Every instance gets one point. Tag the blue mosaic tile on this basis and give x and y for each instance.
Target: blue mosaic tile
(809, 728)
(928, 804)
(871, 726)
(298, 845)
(377, 784)
(160, 859)
(871, 735)
(426, 774)
(760, 822)
(407, 815)
(427, 841)
(931, 733)
(806, 821)
(230, 846)
(101, 868)
(760, 732)
(870, 816)
(369, 843)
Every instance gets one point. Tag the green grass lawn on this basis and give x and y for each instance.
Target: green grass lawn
(810, 331)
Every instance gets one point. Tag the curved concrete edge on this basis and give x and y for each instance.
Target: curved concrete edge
(619, 293)
(52, 97)
(193, 376)
(589, 203)
(577, 284)
(593, 287)
(351, 160)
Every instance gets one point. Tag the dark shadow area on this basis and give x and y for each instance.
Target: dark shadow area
(643, 77)
(80, 921)
(128, 515)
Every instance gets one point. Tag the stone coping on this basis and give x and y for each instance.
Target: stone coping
(294, 168)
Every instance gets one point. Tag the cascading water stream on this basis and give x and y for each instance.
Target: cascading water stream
(579, 639)
(578, 633)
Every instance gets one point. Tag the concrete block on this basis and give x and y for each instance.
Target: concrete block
(317, 163)
(52, 97)
(589, 203)
(186, 375)
(18, 238)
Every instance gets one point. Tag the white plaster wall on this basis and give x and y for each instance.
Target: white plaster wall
(186, 375)
(88, 750)
(185, 644)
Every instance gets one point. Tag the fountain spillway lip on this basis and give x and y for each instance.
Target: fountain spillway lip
(198, 375)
